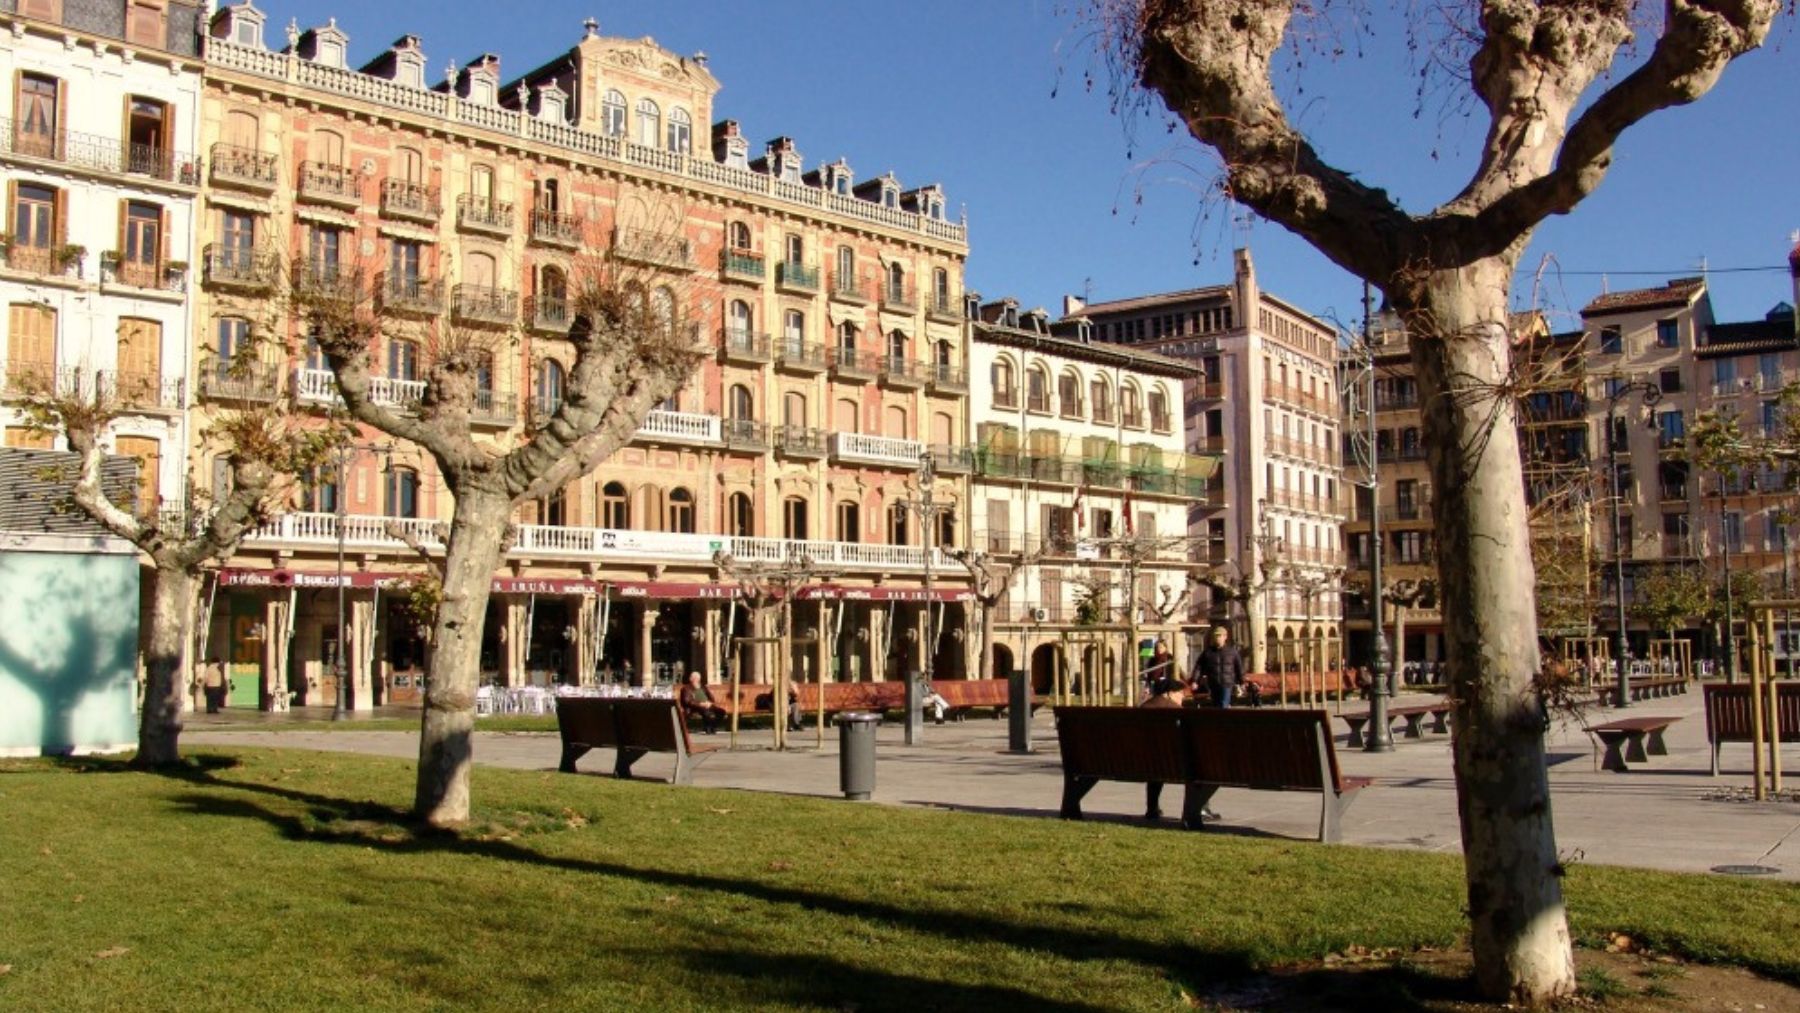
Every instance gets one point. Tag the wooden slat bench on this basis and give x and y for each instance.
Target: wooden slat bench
(1205, 749)
(1415, 715)
(1135, 744)
(633, 727)
(852, 696)
(752, 698)
(1728, 714)
(1640, 737)
(963, 695)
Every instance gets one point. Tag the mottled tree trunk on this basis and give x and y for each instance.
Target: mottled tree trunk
(1461, 345)
(477, 532)
(1256, 638)
(159, 724)
(984, 663)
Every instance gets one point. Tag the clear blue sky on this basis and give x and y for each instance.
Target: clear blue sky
(993, 100)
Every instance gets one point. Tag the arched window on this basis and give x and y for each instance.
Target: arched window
(896, 282)
(1068, 394)
(849, 521)
(741, 405)
(681, 131)
(681, 512)
(940, 355)
(738, 321)
(549, 195)
(409, 165)
(553, 510)
(615, 507)
(1037, 390)
(649, 117)
(896, 347)
(662, 308)
(740, 516)
(480, 270)
(846, 335)
(1005, 384)
(326, 146)
(940, 290)
(549, 395)
(401, 493)
(946, 529)
(612, 113)
(1131, 412)
(1101, 394)
(1159, 410)
(737, 236)
(793, 409)
(481, 183)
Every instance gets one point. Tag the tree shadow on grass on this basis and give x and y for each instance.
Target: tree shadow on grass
(814, 979)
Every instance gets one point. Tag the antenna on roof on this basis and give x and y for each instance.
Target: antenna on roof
(1087, 286)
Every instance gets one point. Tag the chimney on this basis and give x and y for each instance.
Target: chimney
(1072, 304)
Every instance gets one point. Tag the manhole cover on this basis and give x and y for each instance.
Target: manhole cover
(1746, 870)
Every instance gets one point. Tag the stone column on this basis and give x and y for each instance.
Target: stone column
(512, 658)
(711, 650)
(587, 617)
(645, 674)
(362, 655)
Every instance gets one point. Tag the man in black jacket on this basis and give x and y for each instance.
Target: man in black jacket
(1220, 667)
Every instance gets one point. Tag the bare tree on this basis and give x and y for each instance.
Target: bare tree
(990, 579)
(267, 452)
(631, 347)
(1248, 591)
(1447, 272)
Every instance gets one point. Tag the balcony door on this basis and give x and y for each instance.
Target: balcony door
(140, 360)
(148, 127)
(30, 346)
(148, 455)
(39, 115)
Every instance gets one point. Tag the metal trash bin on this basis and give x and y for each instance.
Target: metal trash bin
(856, 753)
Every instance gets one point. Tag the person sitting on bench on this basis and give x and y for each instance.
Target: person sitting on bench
(1164, 692)
(696, 700)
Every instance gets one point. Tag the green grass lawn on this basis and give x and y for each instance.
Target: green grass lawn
(274, 880)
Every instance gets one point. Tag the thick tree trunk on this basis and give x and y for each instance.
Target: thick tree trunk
(984, 664)
(159, 724)
(1461, 345)
(446, 751)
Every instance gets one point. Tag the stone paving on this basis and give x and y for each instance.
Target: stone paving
(1669, 813)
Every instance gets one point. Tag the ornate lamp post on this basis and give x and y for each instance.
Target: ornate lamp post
(1618, 390)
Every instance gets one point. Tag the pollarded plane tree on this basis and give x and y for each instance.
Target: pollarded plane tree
(630, 346)
(1540, 72)
(265, 449)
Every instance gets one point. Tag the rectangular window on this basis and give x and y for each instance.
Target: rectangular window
(323, 246)
(147, 130)
(1612, 340)
(1409, 546)
(1671, 429)
(39, 118)
(141, 252)
(144, 23)
(1670, 381)
(1059, 527)
(1668, 335)
(1725, 372)
(30, 347)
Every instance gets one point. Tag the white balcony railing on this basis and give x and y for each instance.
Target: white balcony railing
(547, 541)
(319, 386)
(687, 427)
(876, 449)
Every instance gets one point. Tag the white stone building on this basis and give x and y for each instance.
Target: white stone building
(97, 155)
(1081, 476)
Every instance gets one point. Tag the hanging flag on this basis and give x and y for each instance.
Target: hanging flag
(1127, 508)
(1080, 521)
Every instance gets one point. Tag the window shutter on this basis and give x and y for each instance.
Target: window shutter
(124, 224)
(62, 116)
(60, 210)
(162, 230)
(12, 204)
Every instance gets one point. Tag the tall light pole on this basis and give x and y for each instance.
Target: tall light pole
(338, 709)
(1380, 739)
(1618, 390)
(928, 509)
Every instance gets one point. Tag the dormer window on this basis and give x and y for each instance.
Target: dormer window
(784, 160)
(481, 91)
(410, 74)
(330, 53)
(836, 177)
(890, 196)
(612, 113)
(553, 104)
(246, 31)
(729, 146)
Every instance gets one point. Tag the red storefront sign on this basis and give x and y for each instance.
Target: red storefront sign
(303, 580)
(667, 590)
(833, 592)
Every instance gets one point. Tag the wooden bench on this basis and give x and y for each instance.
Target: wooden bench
(633, 727)
(1640, 738)
(1204, 749)
(1728, 714)
(1415, 715)
(752, 698)
(962, 695)
(852, 696)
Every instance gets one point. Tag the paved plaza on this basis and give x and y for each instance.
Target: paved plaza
(1669, 813)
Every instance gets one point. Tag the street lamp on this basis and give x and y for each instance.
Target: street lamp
(1380, 739)
(1617, 390)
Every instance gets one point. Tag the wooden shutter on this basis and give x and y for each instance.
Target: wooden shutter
(124, 230)
(31, 335)
(60, 211)
(147, 452)
(162, 235)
